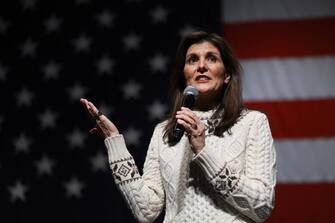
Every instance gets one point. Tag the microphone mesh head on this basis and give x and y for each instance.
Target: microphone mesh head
(191, 90)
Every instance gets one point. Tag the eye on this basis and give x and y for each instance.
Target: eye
(192, 59)
(212, 58)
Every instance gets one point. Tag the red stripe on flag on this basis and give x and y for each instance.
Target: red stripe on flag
(284, 38)
(305, 203)
(299, 119)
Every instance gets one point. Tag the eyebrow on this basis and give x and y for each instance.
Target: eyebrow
(213, 53)
(208, 53)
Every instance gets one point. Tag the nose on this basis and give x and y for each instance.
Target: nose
(202, 67)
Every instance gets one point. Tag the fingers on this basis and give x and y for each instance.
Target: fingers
(189, 112)
(192, 124)
(188, 117)
(93, 109)
(186, 125)
(90, 107)
(84, 102)
(93, 131)
(104, 127)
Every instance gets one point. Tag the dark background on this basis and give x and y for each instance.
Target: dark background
(45, 69)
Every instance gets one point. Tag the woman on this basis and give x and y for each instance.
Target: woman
(223, 168)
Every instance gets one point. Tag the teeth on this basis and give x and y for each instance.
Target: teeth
(202, 78)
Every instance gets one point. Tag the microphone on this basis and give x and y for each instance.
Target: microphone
(189, 95)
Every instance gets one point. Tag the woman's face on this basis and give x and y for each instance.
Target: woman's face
(204, 68)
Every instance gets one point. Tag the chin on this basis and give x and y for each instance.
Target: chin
(203, 89)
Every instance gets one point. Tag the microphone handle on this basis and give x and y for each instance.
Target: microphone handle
(179, 130)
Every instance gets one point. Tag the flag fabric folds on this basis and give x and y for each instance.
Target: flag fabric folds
(119, 54)
(287, 52)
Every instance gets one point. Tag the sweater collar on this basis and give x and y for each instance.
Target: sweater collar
(205, 115)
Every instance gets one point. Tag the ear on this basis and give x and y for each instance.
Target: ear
(227, 78)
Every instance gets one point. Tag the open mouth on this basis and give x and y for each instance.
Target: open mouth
(202, 78)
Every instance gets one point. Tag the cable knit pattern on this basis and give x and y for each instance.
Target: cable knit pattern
(231, 180)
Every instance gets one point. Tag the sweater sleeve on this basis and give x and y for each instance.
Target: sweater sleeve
(143, 194)
(250, 191)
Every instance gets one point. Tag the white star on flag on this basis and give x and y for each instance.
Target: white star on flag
(157, 110)
(105, 65)
(131, 90)
(99, 162)
(51, 70)
(82, 43)
(44, 165)
(28, 48)
(52, 23)
(22, 143)
(186, 30)
(74, 187)
(132, 41)
(24, 97)
(77, 91)
(18, 191)
(158, 63)
(28, 4)
(159, 14)
(132, 136)
(48, 119)
(106, 18)
(76, 138)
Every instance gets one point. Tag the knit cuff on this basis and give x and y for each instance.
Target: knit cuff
(209, 163)
(116, 148)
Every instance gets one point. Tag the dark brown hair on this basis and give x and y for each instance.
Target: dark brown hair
(230, 105)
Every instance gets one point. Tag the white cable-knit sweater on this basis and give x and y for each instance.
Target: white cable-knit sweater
(231, 180)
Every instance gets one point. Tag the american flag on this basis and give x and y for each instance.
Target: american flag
(119, 54)
(287, 51)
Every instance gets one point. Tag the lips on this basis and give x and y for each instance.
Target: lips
(202, 78)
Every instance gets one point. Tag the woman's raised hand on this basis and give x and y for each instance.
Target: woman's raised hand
(194, 128)
(104, 127)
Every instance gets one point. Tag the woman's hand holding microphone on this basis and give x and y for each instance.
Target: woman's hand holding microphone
(194, 128)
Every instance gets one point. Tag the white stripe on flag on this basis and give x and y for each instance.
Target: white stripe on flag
(245, 10)
(288, 79)
(289, 63)
(306, 161)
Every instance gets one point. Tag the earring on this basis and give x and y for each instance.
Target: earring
(227, 80)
